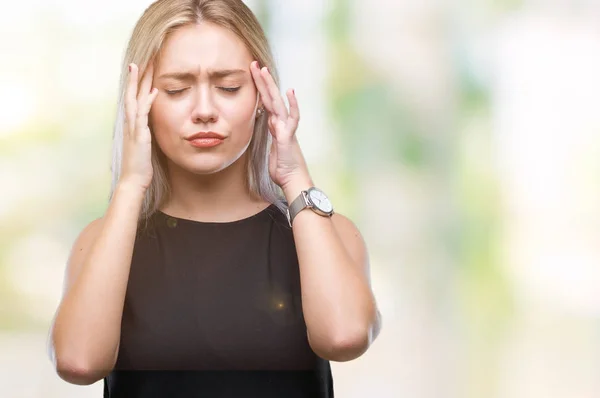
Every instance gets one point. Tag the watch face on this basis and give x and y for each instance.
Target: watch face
(320, 200)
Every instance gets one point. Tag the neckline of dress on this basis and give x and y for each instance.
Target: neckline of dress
(178, 220)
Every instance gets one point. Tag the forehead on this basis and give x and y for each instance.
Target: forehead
(204, 46)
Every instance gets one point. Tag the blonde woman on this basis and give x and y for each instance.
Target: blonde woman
(218, 269)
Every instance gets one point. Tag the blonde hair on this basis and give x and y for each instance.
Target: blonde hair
(159, 20)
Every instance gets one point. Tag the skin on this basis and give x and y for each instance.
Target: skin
(208, 184)
(206, 102)
(339, 307)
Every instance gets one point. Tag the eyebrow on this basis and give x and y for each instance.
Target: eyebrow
(213, 74)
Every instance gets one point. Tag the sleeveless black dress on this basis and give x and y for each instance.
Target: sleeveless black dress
(214, 310)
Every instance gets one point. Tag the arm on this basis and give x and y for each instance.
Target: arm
(339, 307)
(86, 330)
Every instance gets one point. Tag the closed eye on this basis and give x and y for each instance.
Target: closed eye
(173, 92)
(227, 89)
(230, 89)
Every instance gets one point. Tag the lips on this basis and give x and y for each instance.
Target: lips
(205, 134)
(205, 142)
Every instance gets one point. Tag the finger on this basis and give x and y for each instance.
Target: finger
(146, 83)
(261, 86)
(143, 111)
(130, 98)
(273, 156)
(270, 123)
(277, 100)
(149, 101)
(294, 109)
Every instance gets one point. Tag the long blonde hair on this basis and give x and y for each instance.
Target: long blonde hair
(159, 20)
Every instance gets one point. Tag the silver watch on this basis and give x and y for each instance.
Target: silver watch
(314, 199)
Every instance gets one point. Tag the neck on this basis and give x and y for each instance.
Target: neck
(220, 196)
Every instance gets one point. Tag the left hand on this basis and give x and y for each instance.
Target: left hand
(286, 162)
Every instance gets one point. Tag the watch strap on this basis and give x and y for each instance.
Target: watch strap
(297, 205)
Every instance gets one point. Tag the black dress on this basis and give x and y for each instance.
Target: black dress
(214, 310)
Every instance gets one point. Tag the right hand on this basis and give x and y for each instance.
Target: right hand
(136, 165)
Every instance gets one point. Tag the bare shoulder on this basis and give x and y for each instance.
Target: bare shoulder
(80, 250)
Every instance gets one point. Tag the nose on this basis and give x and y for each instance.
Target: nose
(204, 110)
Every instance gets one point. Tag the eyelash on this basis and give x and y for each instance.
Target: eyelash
(226, 89)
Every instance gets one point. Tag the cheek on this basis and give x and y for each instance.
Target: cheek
(163, 122)
(165, 117)
(238, 113)
(157, 112)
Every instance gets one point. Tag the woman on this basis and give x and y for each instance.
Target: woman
(199, 280)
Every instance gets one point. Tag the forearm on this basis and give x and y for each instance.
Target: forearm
(87, 328)
(338, 305)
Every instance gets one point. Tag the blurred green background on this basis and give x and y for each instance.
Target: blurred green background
(461, 137)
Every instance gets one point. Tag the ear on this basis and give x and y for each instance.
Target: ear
(260, 110)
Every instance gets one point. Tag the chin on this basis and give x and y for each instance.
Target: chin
(208, 164)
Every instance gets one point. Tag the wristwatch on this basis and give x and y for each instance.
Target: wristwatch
(312, 198)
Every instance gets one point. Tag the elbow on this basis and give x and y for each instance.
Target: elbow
(77, 366)
(77, 375)
(67, 367)
(346, 345)
(77, 369)
(77, 372)
(348, 348)
(343, 347)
